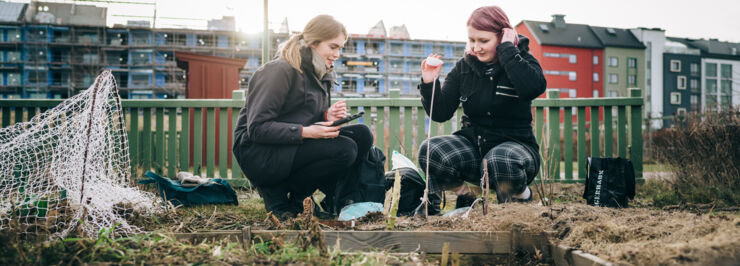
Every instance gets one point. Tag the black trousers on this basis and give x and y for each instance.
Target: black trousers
(318, 164)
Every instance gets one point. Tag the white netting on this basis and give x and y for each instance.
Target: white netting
(68, 168)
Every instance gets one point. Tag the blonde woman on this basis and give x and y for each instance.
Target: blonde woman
(284, 141)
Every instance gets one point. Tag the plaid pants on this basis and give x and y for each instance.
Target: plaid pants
(453, 160)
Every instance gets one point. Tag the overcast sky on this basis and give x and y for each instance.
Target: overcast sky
(445, 19)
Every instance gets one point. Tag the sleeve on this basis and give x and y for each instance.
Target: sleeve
(446, 97)
(523, 70)
(268, 90)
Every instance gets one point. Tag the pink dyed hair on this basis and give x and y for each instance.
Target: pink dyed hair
(492, 19)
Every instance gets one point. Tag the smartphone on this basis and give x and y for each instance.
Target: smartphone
(348, 118)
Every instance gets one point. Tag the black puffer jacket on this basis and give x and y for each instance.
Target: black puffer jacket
(280, 102)
(496, 98)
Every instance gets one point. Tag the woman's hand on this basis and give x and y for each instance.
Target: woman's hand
(430, 73)
(320, 130)
(509, 35)
(337, 111)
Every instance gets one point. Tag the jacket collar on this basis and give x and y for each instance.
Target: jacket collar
(309, 67)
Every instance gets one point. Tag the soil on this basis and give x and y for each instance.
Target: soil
(639, 235)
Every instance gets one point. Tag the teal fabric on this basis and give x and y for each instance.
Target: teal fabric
(218, 191)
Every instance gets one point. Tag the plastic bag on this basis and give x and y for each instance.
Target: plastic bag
(398, 161)
(359, 209)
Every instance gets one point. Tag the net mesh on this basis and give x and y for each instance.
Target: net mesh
(67, 169)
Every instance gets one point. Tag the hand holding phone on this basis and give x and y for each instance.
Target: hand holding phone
(347, 119)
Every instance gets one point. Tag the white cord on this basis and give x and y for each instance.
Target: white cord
(429, 136)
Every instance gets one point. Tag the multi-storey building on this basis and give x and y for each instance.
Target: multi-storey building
(570, 55)
(624, 58)
(654, 41)
(47, 53)
(681, 79)
(720, 73)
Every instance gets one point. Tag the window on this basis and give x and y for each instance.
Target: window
(613, 93)
(694, 69)
(613, 61)
(396, 48)
(711, 69)
(726, 71)
(681, 111)
(596, 59)
(596, 93)
(694, 85)
(632, 80)
(14, 79)
(140, 80)
(694, 100)
(613, 78)
(572, 59)
(596, 77)
(572, 76)
(551, 55)
(675, 98)
(681, 82)
(632, 62)
(675, 66)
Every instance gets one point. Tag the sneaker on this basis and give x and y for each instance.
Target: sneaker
(528, 199)
(465, 200)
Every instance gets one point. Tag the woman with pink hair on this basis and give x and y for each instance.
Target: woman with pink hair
(495, 82)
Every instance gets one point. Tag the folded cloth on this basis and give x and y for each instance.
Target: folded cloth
(187, 179)
(213, 191)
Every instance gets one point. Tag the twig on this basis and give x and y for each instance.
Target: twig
(484, 186)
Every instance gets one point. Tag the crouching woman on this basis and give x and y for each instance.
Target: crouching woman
(284, 141)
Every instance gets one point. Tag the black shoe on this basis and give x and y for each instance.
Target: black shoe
(465, 200)
(276, 201)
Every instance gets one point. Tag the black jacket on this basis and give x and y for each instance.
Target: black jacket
(496, 98)
(280, 102)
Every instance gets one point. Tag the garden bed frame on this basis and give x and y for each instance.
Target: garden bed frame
(501, 243)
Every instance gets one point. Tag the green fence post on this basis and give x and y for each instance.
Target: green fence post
(223, 143)
(636, 132)
(581, 143)
(185, 139)
(159, 146)
(172, 142)
(553, 126)
(568, 142)
(236, 95)
(595, 139)
(395, 124)
(146, 144)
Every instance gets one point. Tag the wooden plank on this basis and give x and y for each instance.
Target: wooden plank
(581, 143)
(171, 142)
(236, 170)
(408, 134)
(185, 140)
(553, 120)
(31, 112)
(421, 130)
(565, 256)
(394, 130)
(466, 242)
(568, 141)
(159, 145)
(636, 139)
(621, 131)
(539, 121)
(210, 142)
(198, 142)
(608, 132)
(595, 131)
(146, 144)
(380, 128)
(18, 114)
(6, 116)
(133, 139)
(223, 141)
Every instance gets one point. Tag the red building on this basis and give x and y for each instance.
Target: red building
(570, 56)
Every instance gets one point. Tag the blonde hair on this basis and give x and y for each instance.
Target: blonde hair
(320, 28)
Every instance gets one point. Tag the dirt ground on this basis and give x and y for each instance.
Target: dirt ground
(639, 235)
